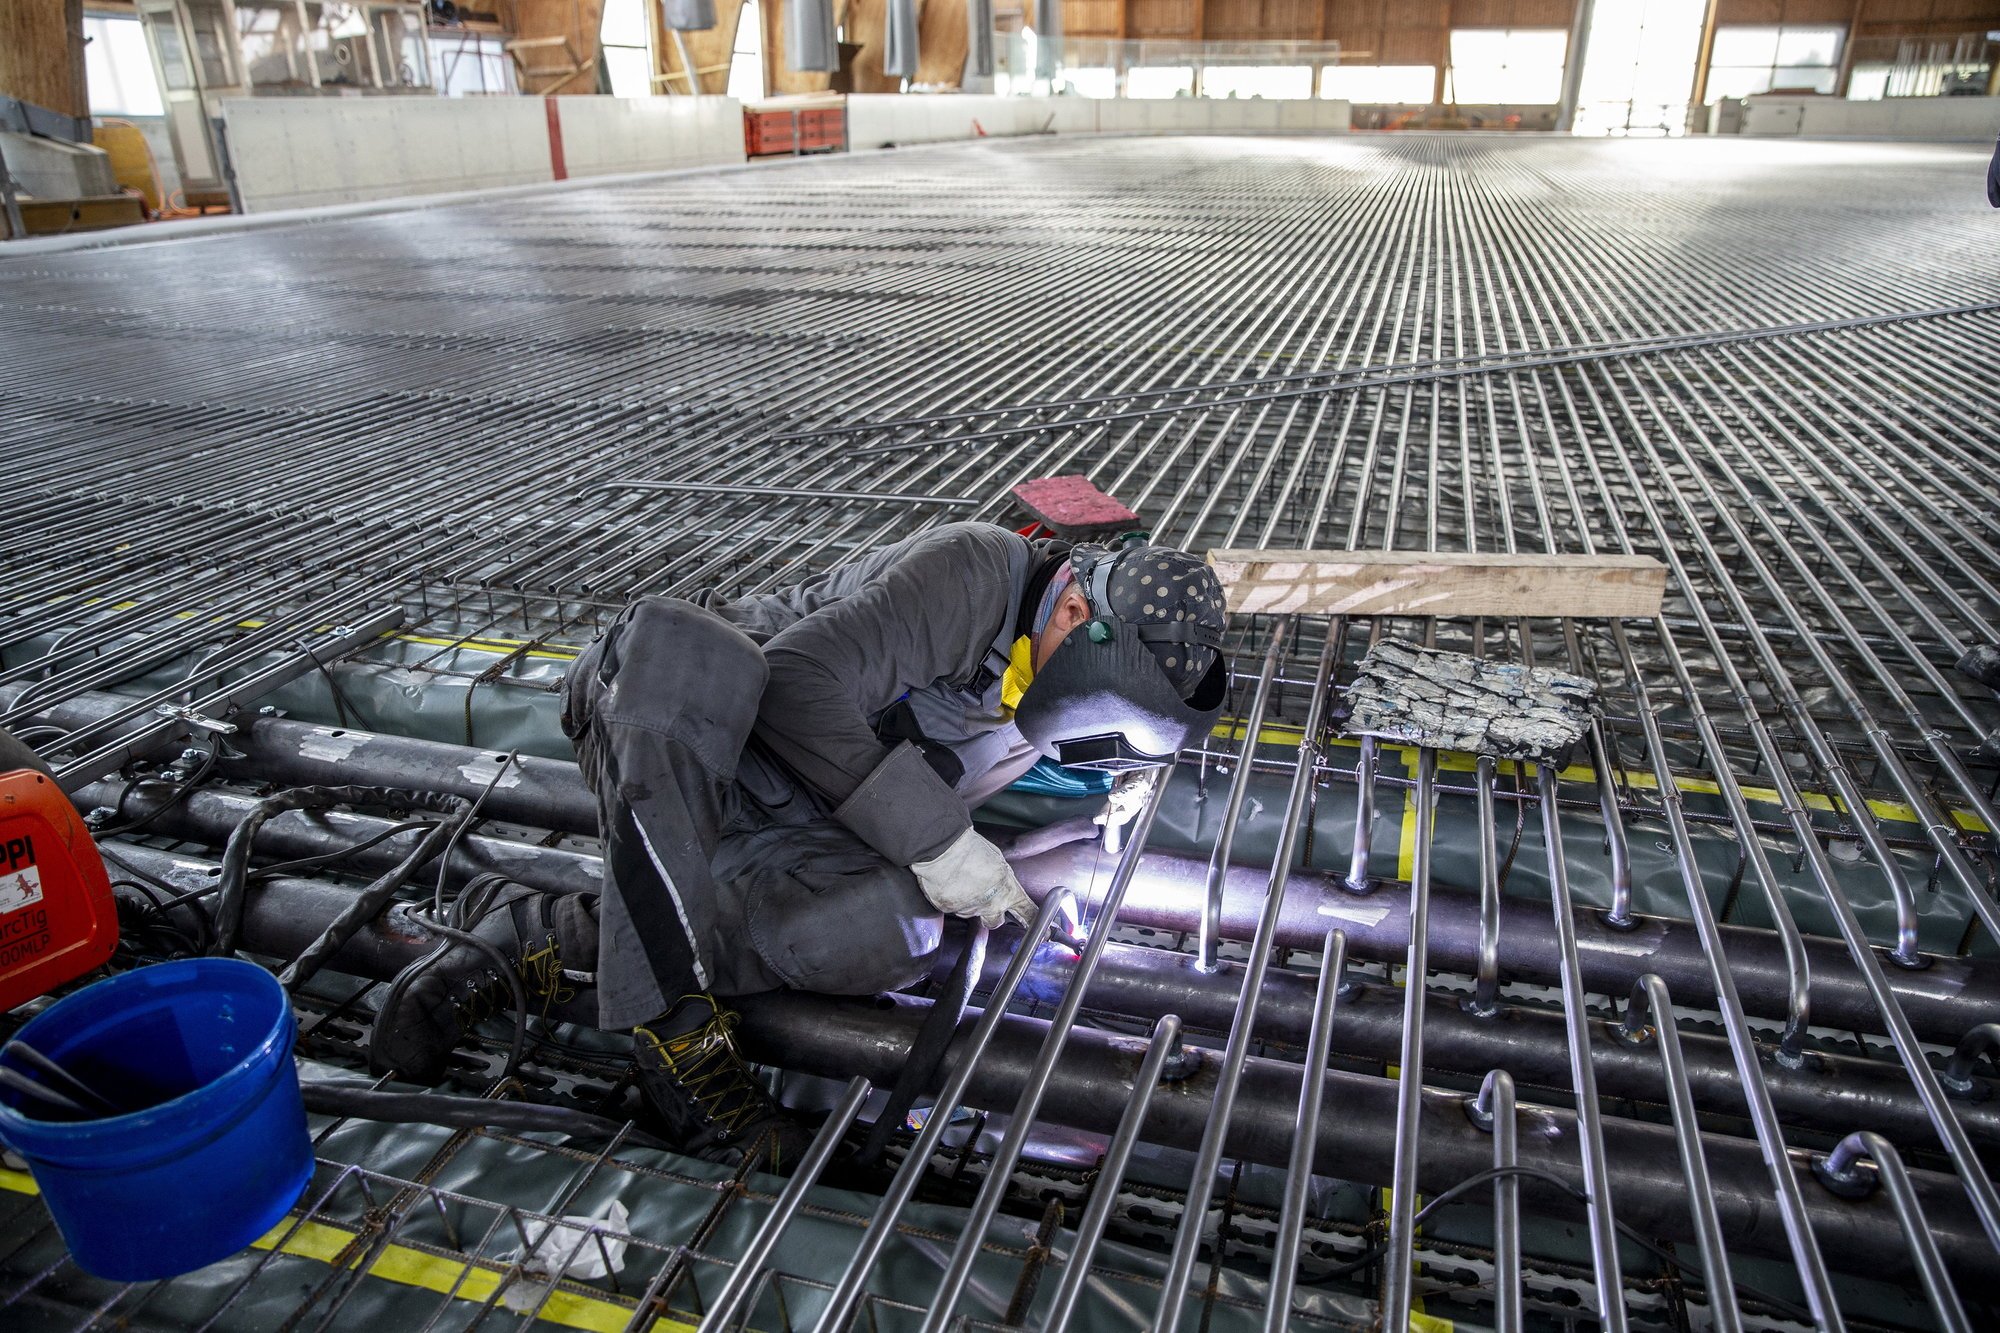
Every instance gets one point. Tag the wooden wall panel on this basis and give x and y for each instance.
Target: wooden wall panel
(1405, 46)
(1091, 18)
(41, 54)
(867, 20)
(1877, 16)
(576, 20)
(1834, 12)
(941, 42)
(1542, 14)
(1481, 13)
(1261, 20)
(1160, 18)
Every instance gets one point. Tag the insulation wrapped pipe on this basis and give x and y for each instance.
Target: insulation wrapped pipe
(979, 38)
(899, 39)
(1048, 38)
(688, 15)
(810, 43)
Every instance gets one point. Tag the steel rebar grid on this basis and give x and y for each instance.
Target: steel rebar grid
(650, 338)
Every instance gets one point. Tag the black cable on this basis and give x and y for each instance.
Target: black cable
(234, 880)
(182, 789)
(339, 854)
(471, 817)
(367, 1102)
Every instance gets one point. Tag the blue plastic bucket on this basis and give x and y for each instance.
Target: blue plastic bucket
(217, 1151)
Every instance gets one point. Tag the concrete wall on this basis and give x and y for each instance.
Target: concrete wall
(316, 152)
(1936, 118)
(606, 135)
(881, 121)
(311, 152)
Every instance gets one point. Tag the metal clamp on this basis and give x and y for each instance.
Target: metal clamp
(197, 719)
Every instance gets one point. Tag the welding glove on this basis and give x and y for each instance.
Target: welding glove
(1129, 795)
(971, 878)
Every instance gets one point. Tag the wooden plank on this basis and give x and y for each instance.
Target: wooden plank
(55, 217)
(1419, 583)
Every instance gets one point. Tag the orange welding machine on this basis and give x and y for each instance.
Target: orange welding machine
(57, 918)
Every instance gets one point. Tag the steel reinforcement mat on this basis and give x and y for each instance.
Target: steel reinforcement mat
(430, 450)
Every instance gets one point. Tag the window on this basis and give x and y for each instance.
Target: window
(1160, 81)
(1402, 84)
(1868, 83)
(1506, 66)
(1638, 68)
(470, 64)
(746, 58)
(1750, 60)
(628, 52)
(273, 45)
(1932, 69)
(119, 71)
(1091, 81)
(1257, 81)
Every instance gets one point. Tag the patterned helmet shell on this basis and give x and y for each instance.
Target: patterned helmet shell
(1172, 598)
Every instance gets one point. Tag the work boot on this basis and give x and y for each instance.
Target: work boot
(431, 1006)
(713, 1106)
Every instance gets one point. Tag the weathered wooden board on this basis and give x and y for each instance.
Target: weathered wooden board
(1419, 583)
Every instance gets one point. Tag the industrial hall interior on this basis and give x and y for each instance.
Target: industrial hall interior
(931, 666)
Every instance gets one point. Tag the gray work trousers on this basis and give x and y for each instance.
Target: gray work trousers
(720, 874)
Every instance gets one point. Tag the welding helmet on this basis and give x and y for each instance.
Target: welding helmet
(1144, 678)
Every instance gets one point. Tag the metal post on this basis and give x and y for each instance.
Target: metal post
(1573, 62)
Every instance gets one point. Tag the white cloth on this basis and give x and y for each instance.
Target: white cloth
(572, 1248)
(971, 878)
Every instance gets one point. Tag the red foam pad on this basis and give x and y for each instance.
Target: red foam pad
(1072, 505)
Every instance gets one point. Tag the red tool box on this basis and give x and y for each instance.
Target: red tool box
(795, 125)
(823, 129)
(769, 132)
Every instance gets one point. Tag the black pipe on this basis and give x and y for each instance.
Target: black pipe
(1836, 1094)
(1829, 1093)
(545, 793)
(838, 1038)
(1943, 1001)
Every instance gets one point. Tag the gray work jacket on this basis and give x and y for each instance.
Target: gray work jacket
(881, 665)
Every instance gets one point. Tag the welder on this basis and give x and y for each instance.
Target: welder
(785, 784)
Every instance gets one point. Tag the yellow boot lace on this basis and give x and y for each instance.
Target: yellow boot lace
(706, 1064)
(541, 973)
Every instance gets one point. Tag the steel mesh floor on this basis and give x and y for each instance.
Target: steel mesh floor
(1775, 366)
